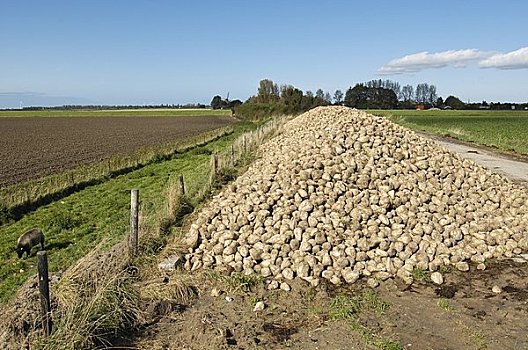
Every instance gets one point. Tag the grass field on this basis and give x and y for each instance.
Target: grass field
(504, 130)
(77, 223)
(147, 112)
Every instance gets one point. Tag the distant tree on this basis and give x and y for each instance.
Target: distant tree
(407, 93)
(439, 102)
(319, 94)
(328, 98)
(431, 95)
(268, 91)
(454, 102)
(217, 102)
(291, 96)
(394, 86)
(356, 96)
(234, 103)
(307, 101)
(422, 92)
(385, 98)
(338, 97)
(362, 96)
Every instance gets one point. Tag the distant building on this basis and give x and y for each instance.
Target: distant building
(420, 107)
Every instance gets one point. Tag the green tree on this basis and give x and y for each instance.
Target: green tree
(268, 91)
(291, 96)
(361, 96)
(454, 102)
(217, 102)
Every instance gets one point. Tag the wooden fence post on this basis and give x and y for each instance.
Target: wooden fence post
(181, 185)
(134, 221)
(232, 154)
(45, 303)
(215, 164)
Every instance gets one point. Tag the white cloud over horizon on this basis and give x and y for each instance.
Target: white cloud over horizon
(517, 59)
(456, 58)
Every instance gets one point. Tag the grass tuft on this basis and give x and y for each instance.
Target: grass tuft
(420, 275)
(348, 307)
(444, 304)
(239, 281)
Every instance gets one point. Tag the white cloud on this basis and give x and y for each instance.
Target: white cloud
(425, 60)
(517, 59)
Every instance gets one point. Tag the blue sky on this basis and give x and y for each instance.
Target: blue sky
(137, 52)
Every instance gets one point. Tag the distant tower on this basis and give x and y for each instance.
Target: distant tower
(21, 104)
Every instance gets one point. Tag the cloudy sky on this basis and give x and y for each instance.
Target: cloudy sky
(155, 51)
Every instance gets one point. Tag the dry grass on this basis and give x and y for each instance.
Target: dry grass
(94, 301)
(178, 289)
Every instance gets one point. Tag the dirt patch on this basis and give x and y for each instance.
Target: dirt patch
(35, 147)
(463, 313)
(297, 319)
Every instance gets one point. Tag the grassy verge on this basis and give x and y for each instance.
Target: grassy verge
(504, 130)
(77, 223)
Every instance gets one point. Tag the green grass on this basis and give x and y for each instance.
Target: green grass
(75, 224)
(420, 275)
(348, 307)
(147, 112)
(444, 304)
(504, 130)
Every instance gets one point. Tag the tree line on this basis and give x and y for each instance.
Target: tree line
(272, 98)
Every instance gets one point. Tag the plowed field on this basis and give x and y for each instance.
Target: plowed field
(35, 147)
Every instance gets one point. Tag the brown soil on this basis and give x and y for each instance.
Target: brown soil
(35, 147)
(472, 316)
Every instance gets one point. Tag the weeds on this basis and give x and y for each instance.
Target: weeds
(242, 282)
(420, 275)
(445, 268)
(444, 304)
(347, 307)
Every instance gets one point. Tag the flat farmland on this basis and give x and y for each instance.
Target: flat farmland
(32, 146)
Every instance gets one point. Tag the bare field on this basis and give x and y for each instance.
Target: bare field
(34, 147)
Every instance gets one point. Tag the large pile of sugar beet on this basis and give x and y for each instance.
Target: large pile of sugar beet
(342, 195)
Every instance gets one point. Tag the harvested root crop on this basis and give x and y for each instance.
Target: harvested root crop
(343, 195)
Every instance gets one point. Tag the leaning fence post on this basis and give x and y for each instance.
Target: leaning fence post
(181, 185)
(45, 303)
(134, 220)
